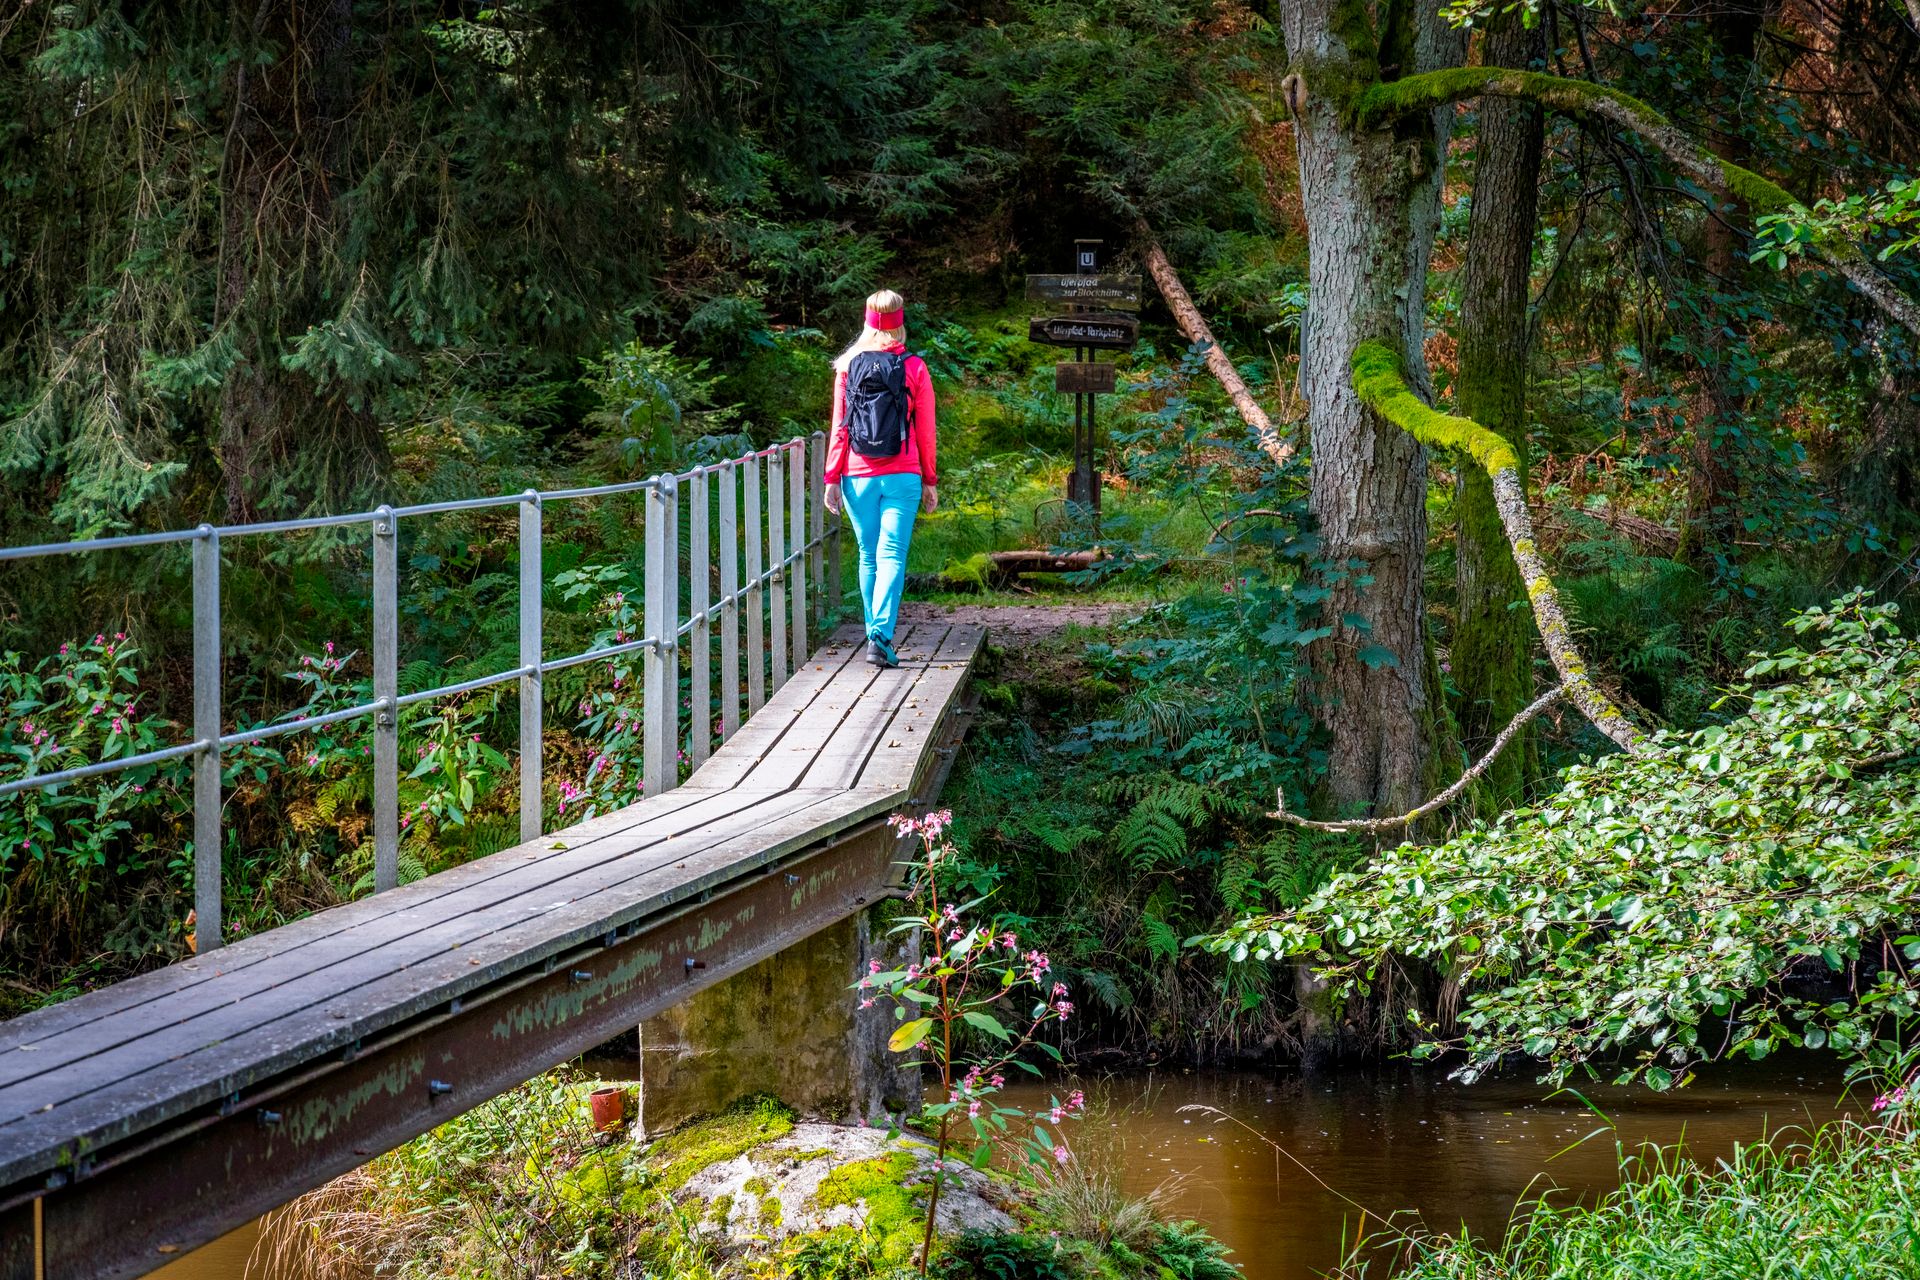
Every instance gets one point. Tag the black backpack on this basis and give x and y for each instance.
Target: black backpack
(877, 404)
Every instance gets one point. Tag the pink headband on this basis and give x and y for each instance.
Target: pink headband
(885, 319)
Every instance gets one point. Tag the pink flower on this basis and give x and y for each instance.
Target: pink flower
(873, 966)
(1062, 1155)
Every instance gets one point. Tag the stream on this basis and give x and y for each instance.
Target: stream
(1394, 1139)
(1390, 1139)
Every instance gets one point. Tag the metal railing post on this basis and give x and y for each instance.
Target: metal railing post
(756, 593)
(797, 543)
(670, 656)
(699, 638)
(729, 604)
(206, 731)
(660, 707)
(777, 563)
(532, 684)
(386, 691)
(816, 524)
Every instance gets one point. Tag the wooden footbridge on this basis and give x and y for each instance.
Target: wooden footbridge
(142, 1120)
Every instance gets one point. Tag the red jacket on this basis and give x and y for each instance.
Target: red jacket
(918, 456)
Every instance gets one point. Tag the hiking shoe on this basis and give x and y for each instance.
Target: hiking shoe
(880, 653)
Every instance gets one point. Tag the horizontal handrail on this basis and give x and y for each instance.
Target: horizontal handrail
(792, 534)
(131, 541)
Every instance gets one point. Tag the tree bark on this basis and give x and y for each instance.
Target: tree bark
(1713, 489)
(1371, 196)
(1492, 650)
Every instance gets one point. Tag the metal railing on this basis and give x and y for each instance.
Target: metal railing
(763, 581)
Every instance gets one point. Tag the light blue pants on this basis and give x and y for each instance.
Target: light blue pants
(882, 510)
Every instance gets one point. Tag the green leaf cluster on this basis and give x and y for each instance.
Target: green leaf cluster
(1733, 890)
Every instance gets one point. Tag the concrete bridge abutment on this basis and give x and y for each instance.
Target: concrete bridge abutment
(790, 1026)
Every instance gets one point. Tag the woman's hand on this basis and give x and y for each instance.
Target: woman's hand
(832, 497)
(930, 499)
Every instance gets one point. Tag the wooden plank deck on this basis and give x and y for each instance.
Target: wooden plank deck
(839, 744)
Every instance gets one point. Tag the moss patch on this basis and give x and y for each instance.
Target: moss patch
(748, 1123)
(894, 1217)
(1380, 379)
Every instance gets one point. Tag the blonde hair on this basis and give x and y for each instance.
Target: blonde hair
(872, 339)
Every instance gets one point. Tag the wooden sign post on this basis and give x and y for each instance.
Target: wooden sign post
(1095, 319)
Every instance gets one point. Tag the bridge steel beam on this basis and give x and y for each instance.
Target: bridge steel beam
(133, 1209)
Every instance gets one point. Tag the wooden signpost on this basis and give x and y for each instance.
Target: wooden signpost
(1109, 333)
(1119, 293)
(1095, 319)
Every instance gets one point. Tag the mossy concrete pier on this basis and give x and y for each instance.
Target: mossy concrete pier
(790, 1026)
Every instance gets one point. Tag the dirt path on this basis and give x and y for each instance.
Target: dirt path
(1015, 626)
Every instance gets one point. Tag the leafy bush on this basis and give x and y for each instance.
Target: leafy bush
(1659, 903)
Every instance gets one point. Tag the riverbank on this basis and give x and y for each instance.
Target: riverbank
(526, 1186)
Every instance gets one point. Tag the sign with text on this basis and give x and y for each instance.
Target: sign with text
(1110, 333)
(1112, 292)
(1084, 378)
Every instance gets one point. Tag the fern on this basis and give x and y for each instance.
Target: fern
(1150, 837)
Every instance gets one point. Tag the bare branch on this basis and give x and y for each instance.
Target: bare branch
(1446, 797)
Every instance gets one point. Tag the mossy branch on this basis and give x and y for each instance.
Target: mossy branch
(1381, 104)
(1380, 379)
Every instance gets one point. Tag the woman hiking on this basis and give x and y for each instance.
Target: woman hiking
(880, 459)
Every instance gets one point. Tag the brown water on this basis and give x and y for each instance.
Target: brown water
(1399, 1140)
(1392, 1140)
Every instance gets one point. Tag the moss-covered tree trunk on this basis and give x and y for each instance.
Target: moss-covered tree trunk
(1372, 203)
(1492, 650)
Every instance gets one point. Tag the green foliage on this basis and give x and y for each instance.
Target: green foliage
(1837, 1204)
(1002, 1255)
(1668, 907)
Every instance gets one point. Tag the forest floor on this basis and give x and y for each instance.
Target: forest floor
(1019, 626)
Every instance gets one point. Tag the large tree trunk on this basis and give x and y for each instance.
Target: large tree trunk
(1713, 488)
(286, 442)
(1492, 651)
(1372, 203)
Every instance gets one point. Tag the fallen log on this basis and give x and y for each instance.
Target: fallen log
(1194, 326)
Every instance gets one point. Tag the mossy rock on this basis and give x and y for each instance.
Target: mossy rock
(894, 1216)
(751, 1122)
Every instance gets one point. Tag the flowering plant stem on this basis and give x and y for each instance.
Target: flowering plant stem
(976, 973)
